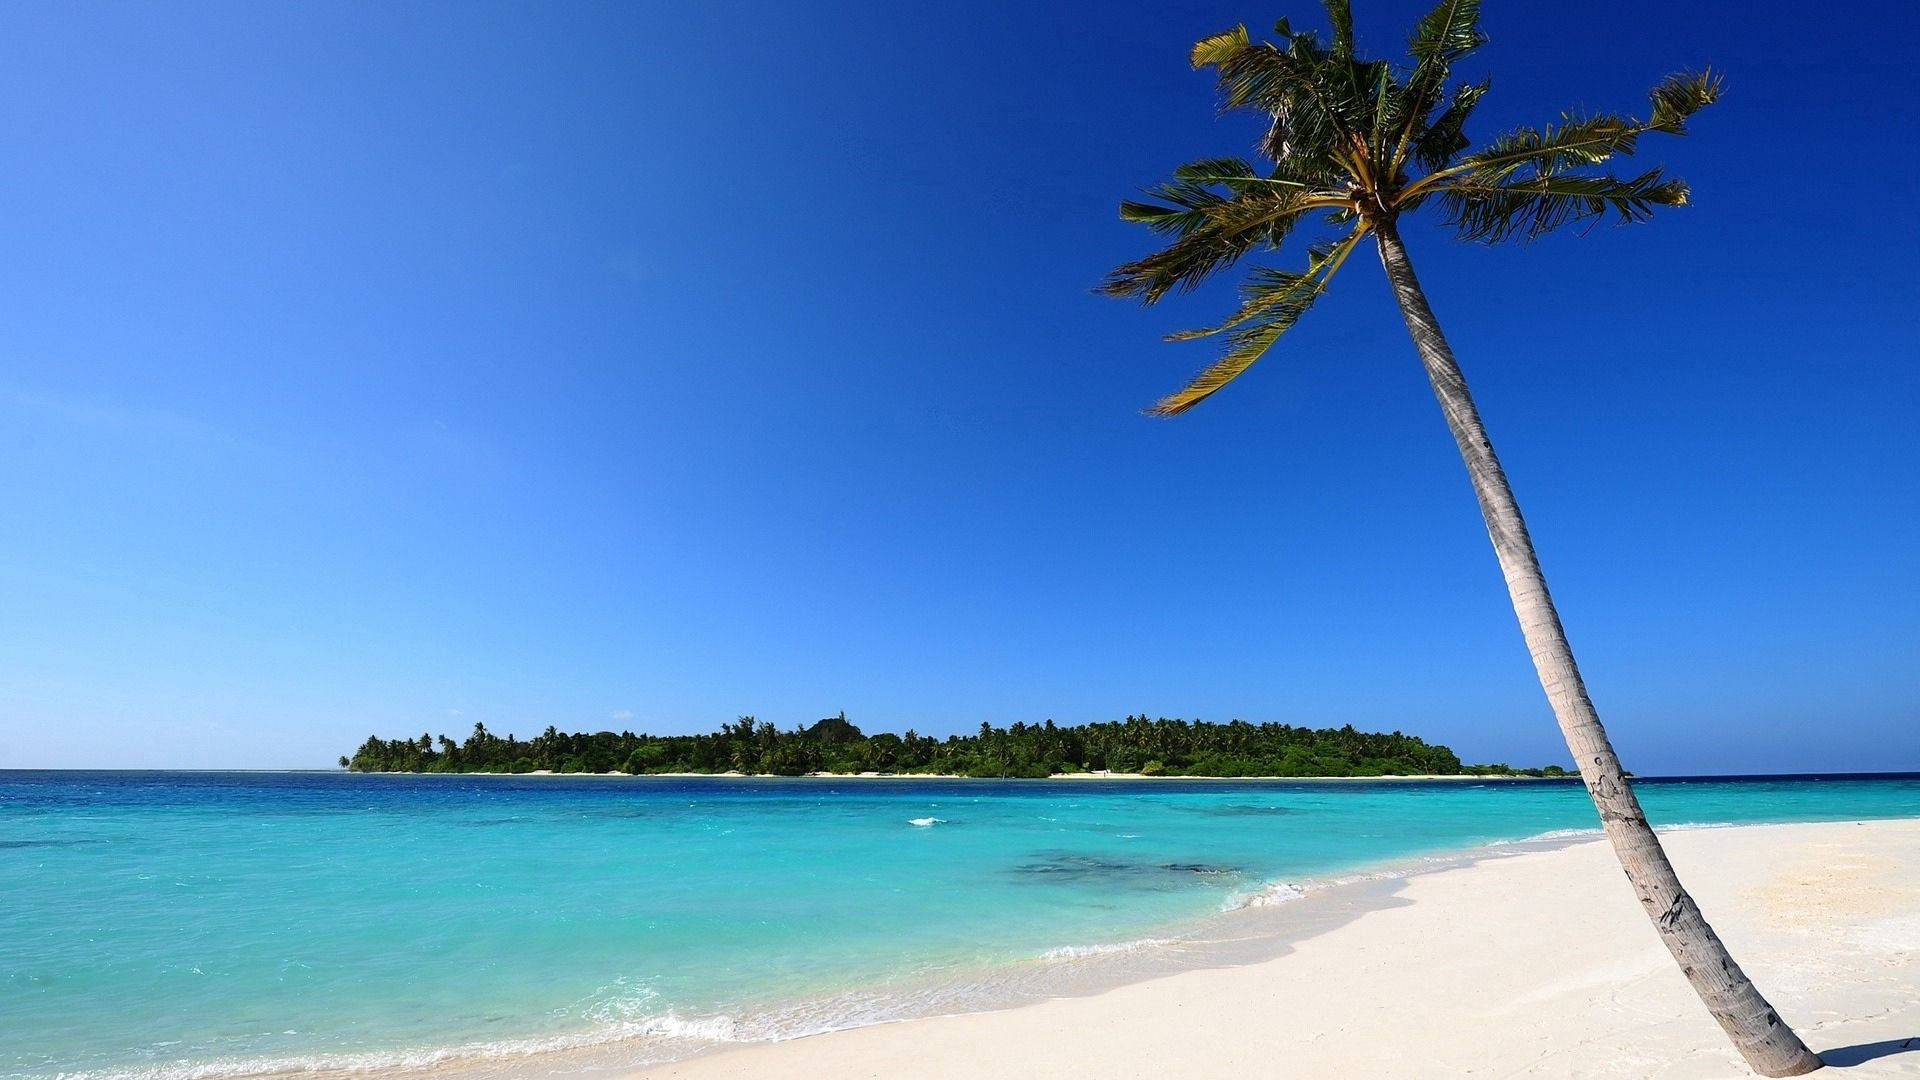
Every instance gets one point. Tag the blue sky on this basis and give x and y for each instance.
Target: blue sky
(382, 368)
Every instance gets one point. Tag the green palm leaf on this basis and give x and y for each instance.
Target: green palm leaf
(1448, 32)
(1440, 39)
(1446, 136)
(1316, 106)
(1578, 141)
(1213, 51)
(1340, 17)
(1495, 211)
(1273, 301)
(1210, 230)
(1679, 97)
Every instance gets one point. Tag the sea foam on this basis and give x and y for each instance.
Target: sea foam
(1081, 952)
(1274, 892)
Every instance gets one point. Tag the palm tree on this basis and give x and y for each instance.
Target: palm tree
(1362, 142)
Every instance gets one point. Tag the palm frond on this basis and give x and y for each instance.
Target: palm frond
(1340, 17)
(1354, 78)
(1190, 197)
(1273, 301)
(1254, 208)
(1195, 202)
(1206, 240)
(1440, 39)
(1389, 119)
(1577, 141)
(1316, 105)
(1494, 210)
(1334, 82)
(1246, 201)
(1447, 32)
(1162, 219)
(1437, 142)
(1211, 52)
(1193, 257)
(1216, 210)
(1234, 174)
(1286, 87)
(1215, 170)
(1679, 97)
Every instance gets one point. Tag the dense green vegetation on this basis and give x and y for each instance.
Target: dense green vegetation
(1153, 747)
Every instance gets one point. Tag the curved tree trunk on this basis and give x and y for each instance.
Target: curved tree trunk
(1769, 1045)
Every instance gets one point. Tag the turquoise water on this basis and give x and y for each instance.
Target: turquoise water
(209, 924)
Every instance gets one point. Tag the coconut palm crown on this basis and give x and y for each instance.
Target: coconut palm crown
(1360, 142)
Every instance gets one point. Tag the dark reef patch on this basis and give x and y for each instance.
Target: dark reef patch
(1079, 867)
(1240, 810)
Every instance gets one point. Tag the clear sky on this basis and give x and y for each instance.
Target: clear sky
(392, 367)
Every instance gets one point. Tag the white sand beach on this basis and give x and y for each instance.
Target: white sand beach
(1537, 964)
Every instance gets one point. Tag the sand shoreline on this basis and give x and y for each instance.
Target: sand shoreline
(1537, 964)
(1079, 776)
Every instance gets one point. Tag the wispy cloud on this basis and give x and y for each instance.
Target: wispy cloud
(620, 716)
(117, 419)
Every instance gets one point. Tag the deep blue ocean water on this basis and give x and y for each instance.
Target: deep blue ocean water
(176, 925)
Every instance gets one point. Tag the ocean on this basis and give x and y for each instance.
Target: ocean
(179, 926)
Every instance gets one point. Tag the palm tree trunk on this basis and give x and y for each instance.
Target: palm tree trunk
(1769, 1045)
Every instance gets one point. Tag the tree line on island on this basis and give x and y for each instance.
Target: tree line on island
(1151, 747)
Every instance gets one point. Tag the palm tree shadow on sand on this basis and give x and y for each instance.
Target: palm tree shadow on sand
(1847, 1056)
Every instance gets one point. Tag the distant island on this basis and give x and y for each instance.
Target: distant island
(1136, 745)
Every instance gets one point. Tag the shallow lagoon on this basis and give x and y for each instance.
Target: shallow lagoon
(205, 924)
